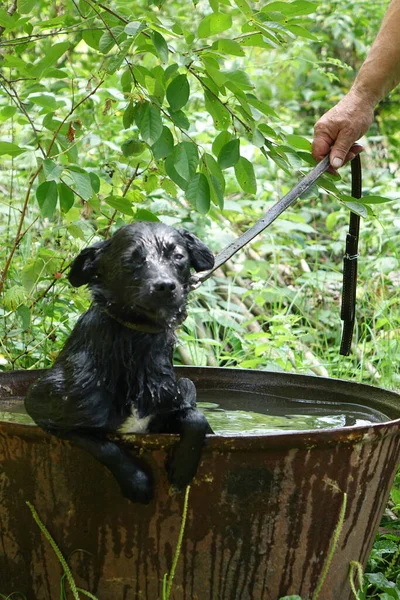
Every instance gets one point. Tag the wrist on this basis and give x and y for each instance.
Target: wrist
(365, 94)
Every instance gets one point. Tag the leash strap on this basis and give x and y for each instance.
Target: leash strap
(350, 258)
(348, 309)
(269, 217)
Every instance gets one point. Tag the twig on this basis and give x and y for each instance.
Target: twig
(128, 185)
(18, 236)
(16, 99)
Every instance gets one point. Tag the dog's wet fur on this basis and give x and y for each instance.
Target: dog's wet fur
(115, 371)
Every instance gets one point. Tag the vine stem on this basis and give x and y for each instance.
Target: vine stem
(356, 566)
(56, 549)
(332, 550)
(168, 581)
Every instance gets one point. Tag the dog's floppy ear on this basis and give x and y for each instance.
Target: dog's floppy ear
(83, 268)
(201, 257)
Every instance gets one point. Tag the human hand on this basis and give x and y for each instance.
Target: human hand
(339, 128)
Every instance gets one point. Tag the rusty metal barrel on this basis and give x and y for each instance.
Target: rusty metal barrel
(262, 509)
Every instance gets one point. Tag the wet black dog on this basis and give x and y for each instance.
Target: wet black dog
(115, 372)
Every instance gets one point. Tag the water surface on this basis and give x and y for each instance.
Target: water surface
(244, 413)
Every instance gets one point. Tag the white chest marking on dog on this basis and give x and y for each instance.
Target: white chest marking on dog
(134, 424)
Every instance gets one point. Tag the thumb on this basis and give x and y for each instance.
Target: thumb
(341, 148)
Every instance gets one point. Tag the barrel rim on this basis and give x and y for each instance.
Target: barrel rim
(351, 435)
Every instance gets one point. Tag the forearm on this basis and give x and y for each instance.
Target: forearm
(380, 72)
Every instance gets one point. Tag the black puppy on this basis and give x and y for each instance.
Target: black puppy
(115, 371)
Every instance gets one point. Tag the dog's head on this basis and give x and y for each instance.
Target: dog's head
(143, 270)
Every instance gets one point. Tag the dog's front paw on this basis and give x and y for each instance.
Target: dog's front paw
(187, 391)
(137, 486)
(182, 467)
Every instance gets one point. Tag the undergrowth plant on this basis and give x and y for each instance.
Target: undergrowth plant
(67, 576)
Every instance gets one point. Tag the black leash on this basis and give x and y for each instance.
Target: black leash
(350, 259)
(348, 311)
(269, 217)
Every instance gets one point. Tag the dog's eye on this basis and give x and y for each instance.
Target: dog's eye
(178, 256)
(137, 256)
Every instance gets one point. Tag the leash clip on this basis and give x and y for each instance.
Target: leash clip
(348, 256)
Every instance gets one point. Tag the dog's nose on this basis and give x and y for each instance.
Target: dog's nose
(163, 286)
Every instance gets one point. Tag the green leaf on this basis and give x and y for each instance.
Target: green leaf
(133, 27)
(217, 110)
(126, 81)
(145, 215)
(129, 115)
(45, 101)
(46, 195)
(160, 45)
(25, 6)
(13, 297)
(217, 191)
(299, 7)
(95, 182)
(185, 158)
(11, 149)
(244, 7)
(395, 496)
(31, 273)
(76, 231)
(239, 78)
(215, 23)
(7, 112)
(257, 41)
(226, 46)
(180, 119)
(357, 208)
(245, 176)
(302, 32)
(110, 38)
(299, 142)
(6, 20)
(229, 154)
(149, 123)
(164, 145)
(213, 168)
(24, 314)
(119, 203)
(221, 139)
(66, 197)
(52, 171)
(198, 193)
(82, 183)
(50, 59)
(376, 200)
(133, 148)
(261, 106)
(178, 92)
(92, 38)
(172, 173)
